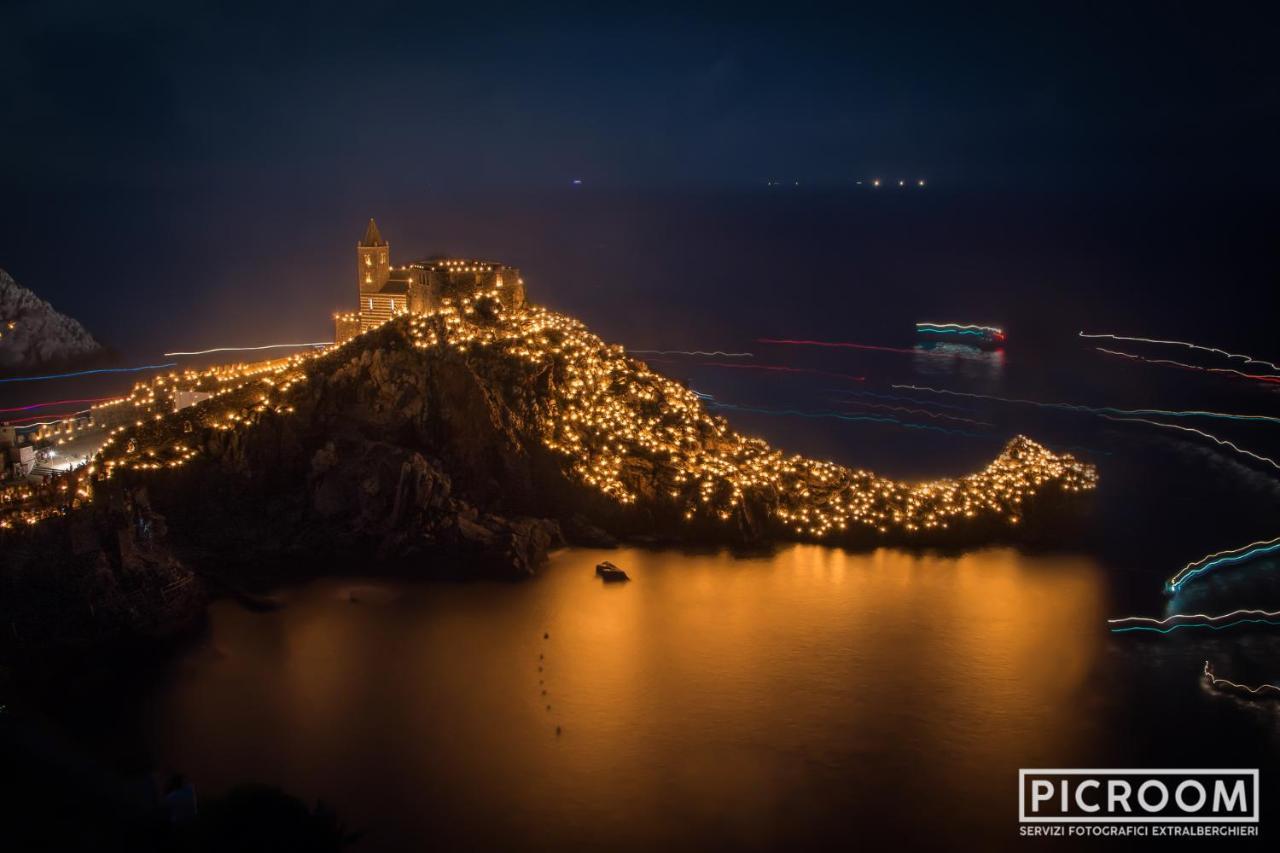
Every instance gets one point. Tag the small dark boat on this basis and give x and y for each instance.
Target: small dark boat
(609, 572)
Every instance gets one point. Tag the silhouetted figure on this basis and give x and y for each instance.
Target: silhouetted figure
(180, 800)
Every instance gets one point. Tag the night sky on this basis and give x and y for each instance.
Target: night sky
(200, 95)
(188, 157)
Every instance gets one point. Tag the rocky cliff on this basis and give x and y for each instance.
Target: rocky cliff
(33, 333)
(92, 579)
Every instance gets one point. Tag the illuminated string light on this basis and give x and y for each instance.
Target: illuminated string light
(1221, 683)
(1093, 410)
(1187, 344)
(1182, 364)
(252, 349)
(607, 409)
(1229, 557)
(91, 372)
(57, 403)
(1222, 442)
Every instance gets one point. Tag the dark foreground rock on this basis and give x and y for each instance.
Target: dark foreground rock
(98, 578)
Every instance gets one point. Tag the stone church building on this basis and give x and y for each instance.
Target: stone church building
(384, 290)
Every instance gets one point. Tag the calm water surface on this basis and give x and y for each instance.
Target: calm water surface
(713, 701)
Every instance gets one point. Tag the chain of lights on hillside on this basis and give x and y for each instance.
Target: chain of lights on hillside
(149, 439)
(604, 410)
(607, 409)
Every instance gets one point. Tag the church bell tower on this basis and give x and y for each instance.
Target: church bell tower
(373, 264)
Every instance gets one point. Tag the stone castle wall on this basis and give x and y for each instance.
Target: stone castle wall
(438, 284)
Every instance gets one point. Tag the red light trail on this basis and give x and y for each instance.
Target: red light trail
(1182, 364)
(58, 417)
(58, 403)
(778, 368)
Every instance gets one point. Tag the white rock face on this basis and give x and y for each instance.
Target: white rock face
(32, 332)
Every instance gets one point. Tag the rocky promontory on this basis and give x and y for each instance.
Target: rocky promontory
(32, 333)
(468, 443)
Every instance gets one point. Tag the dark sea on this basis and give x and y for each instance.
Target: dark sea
(811, 697)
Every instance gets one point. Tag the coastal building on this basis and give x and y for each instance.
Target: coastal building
(184, 399)
(22, 460)
(383, 291)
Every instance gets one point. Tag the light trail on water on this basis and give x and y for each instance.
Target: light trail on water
(900, 398)
(1222, 442)
(844, 416)
(58, 403)
(913, 411)
(252, 349)
(694, 352)
(975, 356)
(1247, 359)
(1220, 683)
(1093, 410)
(1178, 621)
(1230, 556)
(778, 368)
(58, 418)
(961, 327)
(1168, 362)
(90, 372)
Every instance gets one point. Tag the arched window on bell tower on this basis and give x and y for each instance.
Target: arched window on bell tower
(372, 260)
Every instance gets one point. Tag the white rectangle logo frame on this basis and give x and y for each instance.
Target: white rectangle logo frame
(1113, 771)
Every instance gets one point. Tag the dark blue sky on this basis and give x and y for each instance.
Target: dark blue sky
(185, 174)
(198, 96)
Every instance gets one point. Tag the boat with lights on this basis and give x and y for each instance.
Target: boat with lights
(982, 337)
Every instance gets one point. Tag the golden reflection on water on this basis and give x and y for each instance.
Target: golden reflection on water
(735, 700)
